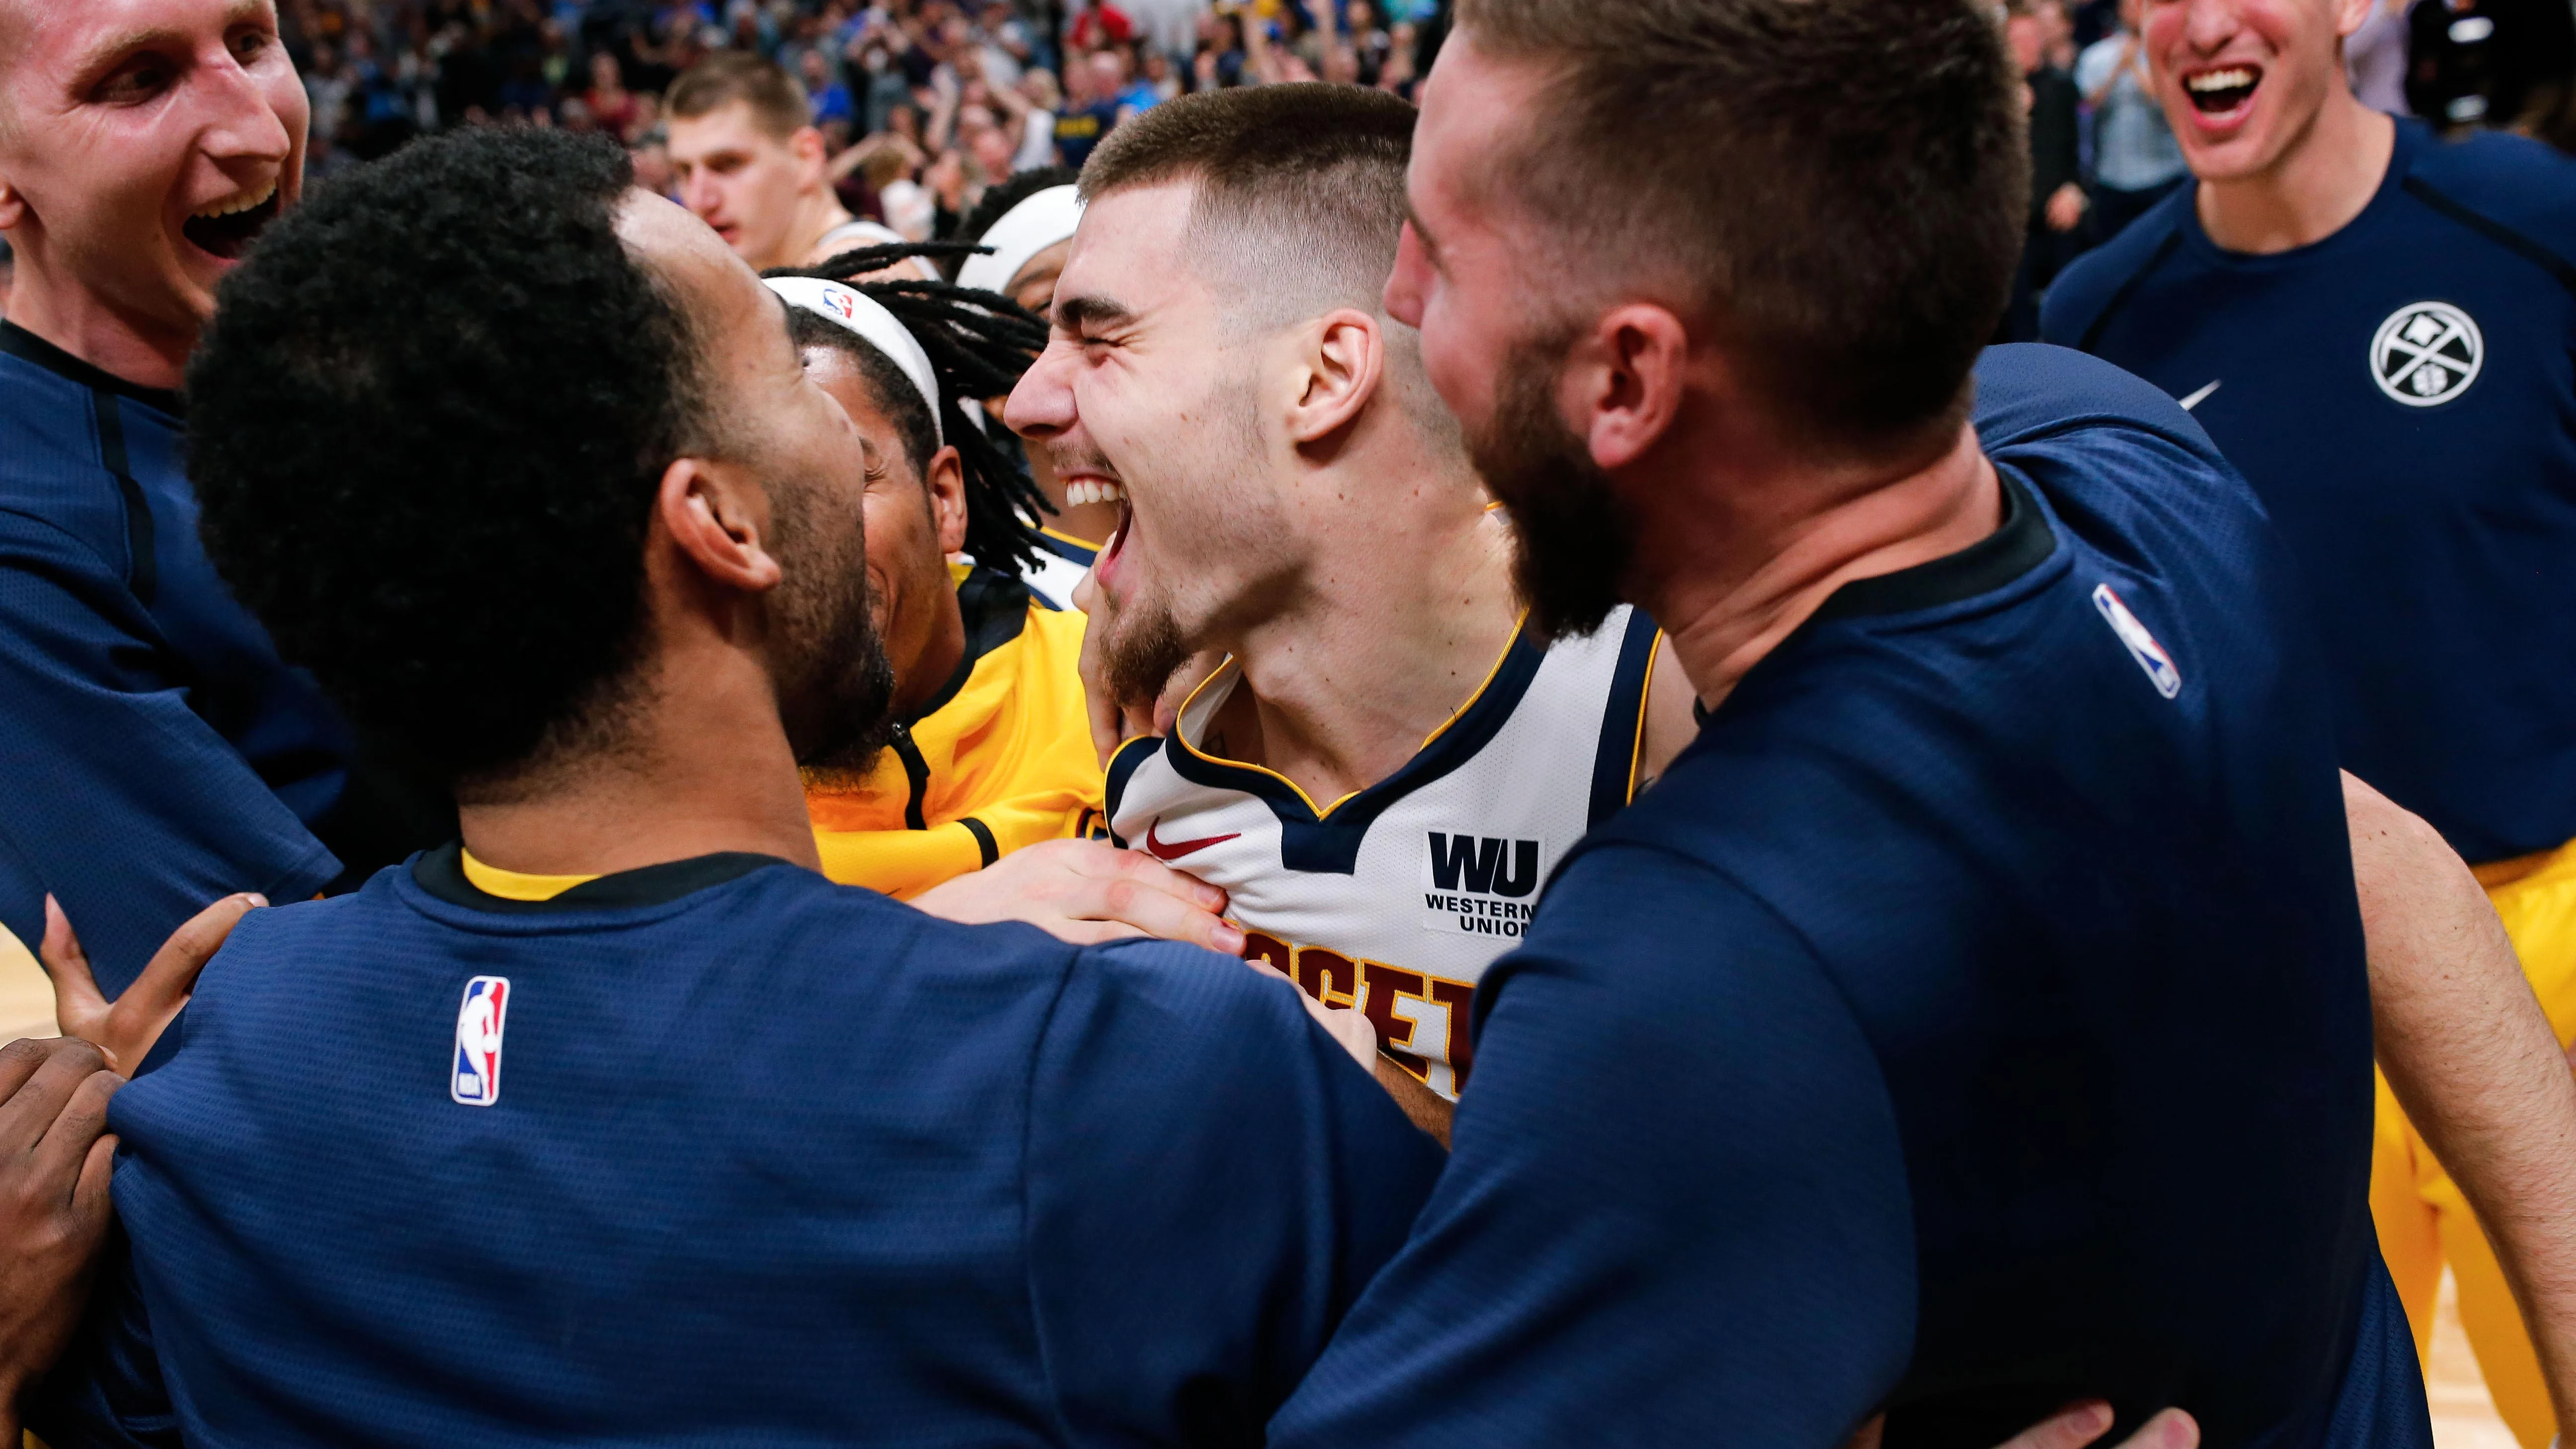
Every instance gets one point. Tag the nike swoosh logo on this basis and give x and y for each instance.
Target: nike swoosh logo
(1174, 849)
(2196, 399)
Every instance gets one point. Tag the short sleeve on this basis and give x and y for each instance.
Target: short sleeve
(122, 801)
(1677, 1209)
(1211, 1182)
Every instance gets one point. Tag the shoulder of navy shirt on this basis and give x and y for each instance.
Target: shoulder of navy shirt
(771, 1161)
(1960, 1026)
(161, 754)
(2430, 499)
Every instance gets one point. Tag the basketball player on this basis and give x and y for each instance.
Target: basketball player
(991, 749)
(749, 161)
(720, 1151)
(1029, 223)
(2374, 324)
(2006, 893)
(159, 752)
(1389, 763)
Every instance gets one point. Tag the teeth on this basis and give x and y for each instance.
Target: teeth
(2220, 80)
(247, 201)
(1080, 493)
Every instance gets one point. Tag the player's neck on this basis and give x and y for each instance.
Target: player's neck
(701, 766)
(1391, 639)
(2323, 179)
(1732, 564)
(817, 212)
(75, 319)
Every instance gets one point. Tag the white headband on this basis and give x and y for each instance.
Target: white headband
(1045, 218)
(874, 325)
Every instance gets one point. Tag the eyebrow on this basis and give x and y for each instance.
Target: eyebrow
(1421, 233)
(1075, 312)
(94, 62)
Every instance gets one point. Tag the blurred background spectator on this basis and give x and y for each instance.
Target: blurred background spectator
(920, 106)
(2135, 158)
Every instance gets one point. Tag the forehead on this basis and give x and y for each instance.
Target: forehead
(55, 37)
(1468, 101)
(726, 305)
(729, 127)
(1129, 247)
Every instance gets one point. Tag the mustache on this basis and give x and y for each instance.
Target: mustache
(1076, 458)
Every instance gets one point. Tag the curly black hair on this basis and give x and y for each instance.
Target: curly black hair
(978, 343)
(427, 426)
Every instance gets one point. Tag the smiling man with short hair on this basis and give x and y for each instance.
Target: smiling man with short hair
(157, 752)
(2376, 325)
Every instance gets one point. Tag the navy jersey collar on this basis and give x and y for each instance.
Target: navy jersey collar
(1327, 841)
(441, 873)
(2021, 543)
(996, 607)
(20, 343)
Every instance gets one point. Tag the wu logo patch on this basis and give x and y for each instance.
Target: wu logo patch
(476, 1081)
(2427, 353)
(2151, 656)
(1478, 885)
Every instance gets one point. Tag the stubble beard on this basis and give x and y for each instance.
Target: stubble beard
(835, 683)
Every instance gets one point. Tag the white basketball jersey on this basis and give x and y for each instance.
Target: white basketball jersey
(1396, 899)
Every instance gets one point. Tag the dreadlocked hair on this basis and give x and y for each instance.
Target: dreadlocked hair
(978, 343)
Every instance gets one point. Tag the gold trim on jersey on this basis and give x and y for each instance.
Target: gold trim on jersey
(1180, 731)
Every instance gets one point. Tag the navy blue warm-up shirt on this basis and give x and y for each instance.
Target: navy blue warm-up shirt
(1973, 1018)
(2402, 396)
(155, 753)
(718, 1152)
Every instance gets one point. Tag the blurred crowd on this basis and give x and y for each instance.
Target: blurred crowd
(922, 104)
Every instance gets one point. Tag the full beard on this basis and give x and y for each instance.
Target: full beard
(1574, 542)
(835, 683)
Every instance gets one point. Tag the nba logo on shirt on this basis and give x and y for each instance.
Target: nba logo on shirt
(477, 1079)
(2151, 656)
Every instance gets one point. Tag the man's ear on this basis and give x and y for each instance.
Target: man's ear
(944, 484)
(1338, 371)
(1623, 381)
(13, 204)
(719, 518)
(807, 144)
(2351, 15)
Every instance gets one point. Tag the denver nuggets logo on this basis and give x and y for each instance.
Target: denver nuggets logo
(2427, 353)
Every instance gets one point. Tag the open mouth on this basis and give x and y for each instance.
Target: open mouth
(2222, 89)
(1117, 543)
(227, 228)
(1083, 491)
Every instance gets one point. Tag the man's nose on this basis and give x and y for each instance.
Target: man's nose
(2209, 24)
(242, 123)
(1042, 405)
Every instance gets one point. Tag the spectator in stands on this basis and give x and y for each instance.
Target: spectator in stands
(2057, 200)
(2135, 158)
(749, 161)
(612, 106)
